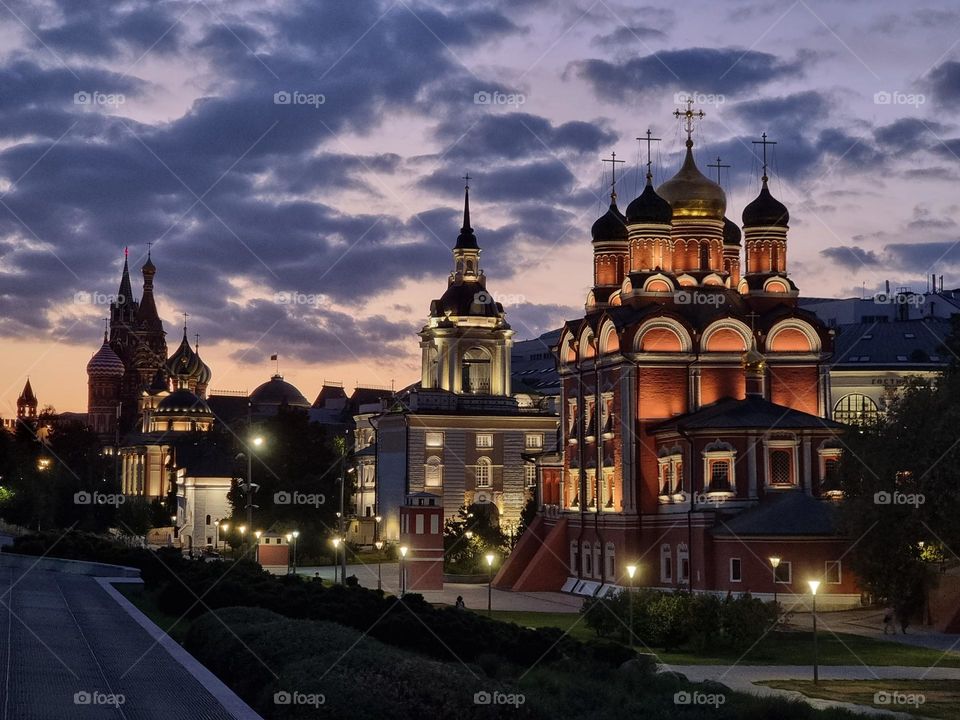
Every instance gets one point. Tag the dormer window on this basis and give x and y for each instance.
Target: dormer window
(719, 467)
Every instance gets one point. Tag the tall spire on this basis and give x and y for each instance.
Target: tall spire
(147, 313)
(125, 293)
(466, 240)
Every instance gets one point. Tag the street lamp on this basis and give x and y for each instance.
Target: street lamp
(289, 537)
(468, 534)
(256, 441)
(173, 521)
(226, 528)
(379, 546)
(814, 585)
(336, 557)
(775, 563)
(631, 571)
(256, 555)
(403, 570)
(489, 558)
(296, 535)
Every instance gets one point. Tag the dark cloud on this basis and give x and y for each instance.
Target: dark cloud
(624, 35)
(910, 132)
(851, 256)
(530, 320)
(787, 113)
(727, 71)
(944, 83)
(924, 256)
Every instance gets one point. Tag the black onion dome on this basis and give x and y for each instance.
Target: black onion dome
(731, 232)
(182, 402)
(185, 363)
(465, 299)
(650, 208)
(612, 225)
(276, 392)
(765, 211)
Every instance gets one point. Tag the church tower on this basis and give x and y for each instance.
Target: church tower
(27, 404)
(104, 377)
(466, 342)
(611, 247)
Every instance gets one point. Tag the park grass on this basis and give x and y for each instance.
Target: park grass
(146, 602)
(941, 698)
(776, 648)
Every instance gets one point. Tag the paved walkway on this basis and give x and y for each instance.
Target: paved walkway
(474, 595)
(69, 650)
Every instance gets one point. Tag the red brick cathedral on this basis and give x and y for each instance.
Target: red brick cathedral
(695, 438)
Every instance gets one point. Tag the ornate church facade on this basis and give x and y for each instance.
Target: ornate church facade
(695, 439)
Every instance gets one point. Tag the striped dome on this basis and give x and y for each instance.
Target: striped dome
(105, 363)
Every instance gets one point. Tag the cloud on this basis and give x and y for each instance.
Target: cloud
(944, 83)
(727, 71)
(628, 35)
(851, 257)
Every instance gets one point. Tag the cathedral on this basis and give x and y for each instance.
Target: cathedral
(695, 439)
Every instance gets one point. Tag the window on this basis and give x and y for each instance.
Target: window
(783, 573)
(434, 524)
(534, 441)
(484, 440)
(611, 561)
(208, 519)
(530, 474)
(574, 557)
(671, 472)
(475, 372)
(483, 473)
(434, 439)
(781, 466)
(587, 560)
(736, 570)
(855, 409)
(683, 564)
(433, 472)
(720, 475)
(419, 530)
(666, 564)
(831, 572)
(718, 467)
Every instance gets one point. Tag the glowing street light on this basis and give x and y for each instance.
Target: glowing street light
(814, 586)
(336, 557)
(774, 563)
(296, 535)
(631, 571)
(403, 570)
(379, 546)
(489, 558)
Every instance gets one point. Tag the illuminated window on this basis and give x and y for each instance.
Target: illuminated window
(855, 409)
(534, 441)
(484, 440)
(720, 475)
(781, 465)
(434, 439)
(433, 472)
(483, 473)
(530, 474)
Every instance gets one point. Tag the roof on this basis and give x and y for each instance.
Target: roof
(765, 210)
(182, 401)
(790, 512)
(227, 408)
(465, 298)
(901, 344)
(751, 412)
(368, 396)
(276, 392)
(329, 392)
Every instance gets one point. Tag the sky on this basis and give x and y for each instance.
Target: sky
(296, 166)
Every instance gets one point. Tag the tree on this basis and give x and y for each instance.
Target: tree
(469, 536)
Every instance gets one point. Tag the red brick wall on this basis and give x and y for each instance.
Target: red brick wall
(795, 387)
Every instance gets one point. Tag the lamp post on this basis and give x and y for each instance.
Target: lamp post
(379, 546)
(242, 529)
(226, 529)
(775, 563)
(403, 570)
(256, 441)
(258, 533)
(336, 558)
(631, 571)
(289, 537)
(489, 558)
(377, 519)
(296, 536)
(173, 521)
(814, 585)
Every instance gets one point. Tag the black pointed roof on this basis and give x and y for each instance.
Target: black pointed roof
(466, 240)
(765, 210)
(648, 207)
(27, 395)
(125, 293)
(612, 225)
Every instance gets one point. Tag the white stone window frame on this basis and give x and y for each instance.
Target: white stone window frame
(484, 441)
(438, 467)
(683, 553)
(672, 463)
(536, 438)
(738, 578)
(666, 564)
(486, 481)
(432, 435)
(792, 446)
(728, 454)
(823, 455)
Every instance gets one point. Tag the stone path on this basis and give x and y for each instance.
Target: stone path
(69, 650)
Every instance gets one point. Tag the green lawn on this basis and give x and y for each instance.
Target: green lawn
(777, 648)
(922, 698)
(146, 603)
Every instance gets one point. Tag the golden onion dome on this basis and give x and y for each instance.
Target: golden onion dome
(693, 195)
(753, 359)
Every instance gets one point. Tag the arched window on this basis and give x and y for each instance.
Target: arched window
(208, 519)
(475, 372)
(666, 564)
(433, 472)
(611, 561)
(574, 557)
(855, 409)
(683, 563)
(483, 472)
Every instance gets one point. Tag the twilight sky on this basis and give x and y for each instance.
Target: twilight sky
(296, 165)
